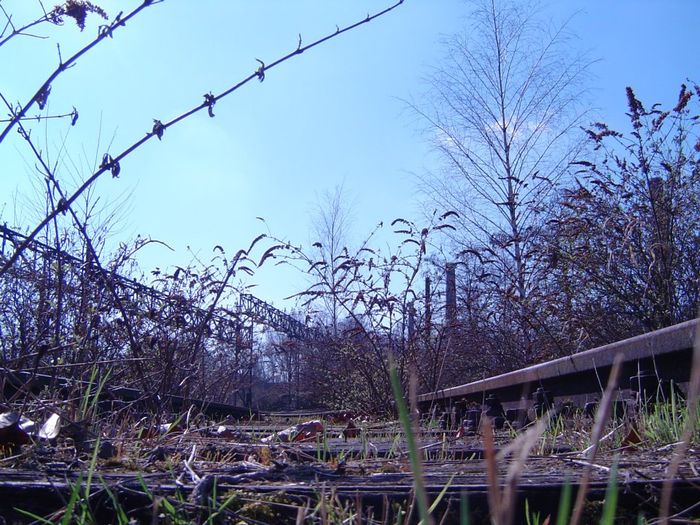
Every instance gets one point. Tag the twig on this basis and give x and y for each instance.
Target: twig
(677, 515)
(587, 464)
(587, 450)
(669, 446)
(62, 66)
(19, 31)
(157, 129)
(39, 118)
(188, 465)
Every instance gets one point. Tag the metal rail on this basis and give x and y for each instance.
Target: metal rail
(113, 396)
(666, 352)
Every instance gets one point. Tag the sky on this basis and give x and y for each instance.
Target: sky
(335, 115)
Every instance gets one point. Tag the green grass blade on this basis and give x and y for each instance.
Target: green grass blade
(122, 518)
(85, 401)
(413, 452)
(74, 495)
(91, 469)
(464, 509)
(34, 516)
(442, 494)
(527, 512)
(610, 506)
(564, 504)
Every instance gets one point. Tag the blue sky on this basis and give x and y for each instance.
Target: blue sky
(336, 114)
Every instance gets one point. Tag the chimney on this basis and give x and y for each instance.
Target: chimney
(411, 320)
(450, 295)
(427, 302)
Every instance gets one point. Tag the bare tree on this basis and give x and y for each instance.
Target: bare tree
(375, 295)
(503, 106)
(331, 223)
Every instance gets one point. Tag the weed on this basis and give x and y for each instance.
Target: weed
(610, 504)
(664, 422)
(88, 402)
(413, 450)
(531, 518)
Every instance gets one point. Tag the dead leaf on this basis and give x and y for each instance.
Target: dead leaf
(632, 440)
(11, 435)
(351, 431)
(298, 433)
(51, 428)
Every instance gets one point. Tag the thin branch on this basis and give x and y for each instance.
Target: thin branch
(39, 118)
(44, 89)
(19, 31)
(159, 127)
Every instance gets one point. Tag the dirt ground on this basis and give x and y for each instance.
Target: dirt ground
(369, 468)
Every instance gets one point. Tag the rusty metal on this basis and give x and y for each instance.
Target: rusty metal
(411, 320)
(543, 400)
(667, 351)
(494, 409)
(248, 306)
(264, 313)
(428, 306)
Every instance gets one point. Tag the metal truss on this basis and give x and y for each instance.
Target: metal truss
(261, 312)
(228, 326)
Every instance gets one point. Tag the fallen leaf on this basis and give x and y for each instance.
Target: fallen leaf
(11, 435)
(351, 431)
(51, 428)
(302, 432)
(632, 439)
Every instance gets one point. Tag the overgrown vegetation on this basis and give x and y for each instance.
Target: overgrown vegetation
(570, 247)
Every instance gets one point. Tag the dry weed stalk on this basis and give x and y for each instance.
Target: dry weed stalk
(601, 419)
(502, 502)
(682, 447)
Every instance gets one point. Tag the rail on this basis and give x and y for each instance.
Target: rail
(667, 353)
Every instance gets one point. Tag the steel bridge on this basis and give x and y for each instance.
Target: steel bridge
(264, 313)
(249, 307)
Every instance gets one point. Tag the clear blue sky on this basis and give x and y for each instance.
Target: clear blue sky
(332, 115)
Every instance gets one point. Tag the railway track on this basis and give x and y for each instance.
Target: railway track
(376, 474)
(649, 363)
(649, 360)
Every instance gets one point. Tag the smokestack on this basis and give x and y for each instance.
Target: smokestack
(411, 320)
(450, 294)
(427, 302)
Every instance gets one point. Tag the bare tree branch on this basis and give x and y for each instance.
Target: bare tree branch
(112, 164)
(43, 92)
